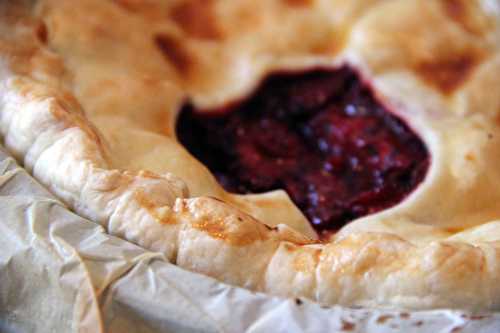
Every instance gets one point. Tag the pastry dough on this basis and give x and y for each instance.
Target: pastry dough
(90, 91)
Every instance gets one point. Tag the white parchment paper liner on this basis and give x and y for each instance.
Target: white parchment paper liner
(62, 273)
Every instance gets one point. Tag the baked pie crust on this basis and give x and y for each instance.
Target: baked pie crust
(90, 92)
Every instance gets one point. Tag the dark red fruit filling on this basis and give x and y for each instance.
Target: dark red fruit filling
(320, 135)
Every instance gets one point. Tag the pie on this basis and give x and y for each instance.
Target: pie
(343, 151)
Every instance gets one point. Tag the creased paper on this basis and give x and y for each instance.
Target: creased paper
(62, 273)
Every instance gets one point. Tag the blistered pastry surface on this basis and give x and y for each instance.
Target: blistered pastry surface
(90, 93)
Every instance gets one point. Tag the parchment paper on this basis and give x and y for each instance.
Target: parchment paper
(62, 273)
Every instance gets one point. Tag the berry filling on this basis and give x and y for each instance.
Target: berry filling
(319, 135)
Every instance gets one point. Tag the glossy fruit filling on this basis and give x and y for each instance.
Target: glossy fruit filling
(319, 135)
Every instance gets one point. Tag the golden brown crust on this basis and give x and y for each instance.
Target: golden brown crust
(89, 97)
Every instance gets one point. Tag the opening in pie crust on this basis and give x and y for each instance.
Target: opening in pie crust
(320, 135)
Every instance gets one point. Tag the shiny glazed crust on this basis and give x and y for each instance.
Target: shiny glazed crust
(88, 101)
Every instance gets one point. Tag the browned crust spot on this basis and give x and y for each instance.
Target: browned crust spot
(347, 325)
(404, 315)
(455, 9)
(461, 12)
(382, 319)
(42, 33)
(175, 53)
(497, 118)
(450, 73)
(218, 229)
(299, 3)
(333, 45)
(142, 199)
(197, 19)
(454, 230)
(150, 9)
(149, 174)
(230, 229)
